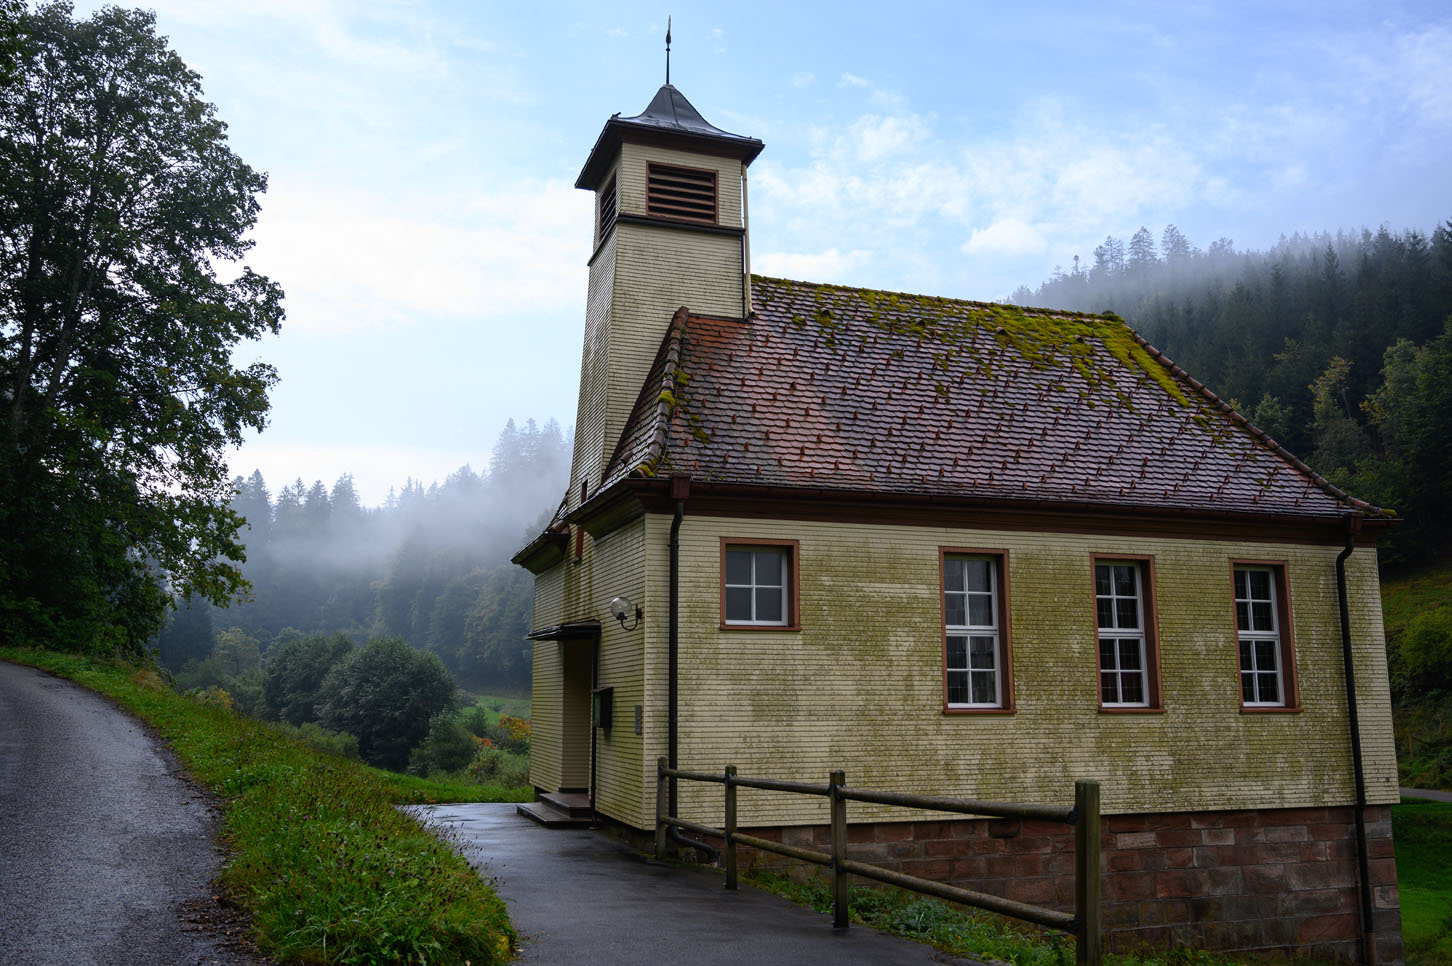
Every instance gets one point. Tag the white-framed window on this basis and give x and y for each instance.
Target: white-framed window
(756, 586)
(1125, 647)
(1259, 637)
(974, 655)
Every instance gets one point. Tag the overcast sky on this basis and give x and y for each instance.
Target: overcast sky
(422, 220)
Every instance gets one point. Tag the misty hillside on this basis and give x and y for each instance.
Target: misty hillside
(430, 566)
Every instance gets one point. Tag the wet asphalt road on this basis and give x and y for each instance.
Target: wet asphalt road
(105, 850)
(577, 896)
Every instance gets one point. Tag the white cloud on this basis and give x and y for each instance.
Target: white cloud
(828, 266)
(803, 79)
(852, 80)
(375, 468)
(1424, 66)
(1007, 237)
(876, 138)
(352, 259)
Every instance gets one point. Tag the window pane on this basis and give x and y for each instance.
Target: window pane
(738, 566)
(982, 650)
(1261, 615)
(1269, 686)
(1239, 582)
(1101, 580)
(1260, 584)
(980, 610)
(1242, 615)
(1106, 612)
(768, 567)
(1109, 687)
(1124, 581)
(952, 574)
(768, 604)
(738, 603)
(1127, 611)
(1247, 687)
(1132, 688)
(957, 687)
(1265, 655)
(957, 652)
(1129, 656)
(956, 615)
(1246, 663)
(985, 688)
(977, 574)
(1107, 658)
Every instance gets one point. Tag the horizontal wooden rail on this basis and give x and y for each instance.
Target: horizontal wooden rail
(1083, 815)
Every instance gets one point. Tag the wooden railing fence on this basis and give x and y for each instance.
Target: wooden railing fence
(1084, 923)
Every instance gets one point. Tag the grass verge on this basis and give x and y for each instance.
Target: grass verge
(962, 932)
(329, 869)
(1422, 831)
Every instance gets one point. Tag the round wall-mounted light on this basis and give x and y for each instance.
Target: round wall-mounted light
(620, 608)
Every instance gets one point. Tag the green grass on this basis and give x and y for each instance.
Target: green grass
(1422, 717)
(510, 704)
(1407, 595)
(960, 931)
(329, 869)
(1422, 831)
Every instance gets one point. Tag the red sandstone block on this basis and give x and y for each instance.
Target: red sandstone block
(874, 852)
(1288, 852)
(1180, 883)
(1380, 848)
(1208, 819)
(971, 828)
(1313, 903)
(1378, 830)
(1134, 940)
(1218, 836)
(1287, 833)
(970, 870)
(1053, 830)
(1121, 914)
(1015, 865)
(945, 848)
(1224, 881)
(1058, 863)
(1327, 928)
(1135, 840)
(1038, 843)
(1121, 861)
(1249, 836)
(933, 830)
(1329, 832)
(1313, 852)
(860, 833)
(1264, 879)
(1177, 838)
(1236, 908)
(1124, 823)
(1004, 828)
(1179, 858)
(1167, 820)
(1176, 910)
(1386, 897)
(1299, 816)
(1242, 819)
(905, 850)
(1150, 913)
(802, 835)
(987, 846)
(936, 869)
(1382, 872)
(1320, 875)
(1133, 886)
(892, 831)
(1205, 858)
(1039, 891)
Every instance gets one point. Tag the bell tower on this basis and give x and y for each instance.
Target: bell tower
(670, 230)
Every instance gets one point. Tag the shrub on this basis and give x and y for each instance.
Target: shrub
(494, 766)
(448, 747)
(386, 694)
(1426, 647)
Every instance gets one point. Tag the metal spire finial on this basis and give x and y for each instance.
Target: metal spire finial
(668, 51)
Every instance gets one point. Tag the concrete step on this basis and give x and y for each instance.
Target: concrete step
(552, 817)
(573, 804)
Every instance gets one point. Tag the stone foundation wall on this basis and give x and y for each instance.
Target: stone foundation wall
(1280, 880)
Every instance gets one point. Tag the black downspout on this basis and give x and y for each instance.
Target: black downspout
(594, 732)
(673, 658)
(1368, 927)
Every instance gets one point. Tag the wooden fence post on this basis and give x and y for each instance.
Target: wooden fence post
(840, 899)
(730, 827)
(1088, 884)
(661, 807)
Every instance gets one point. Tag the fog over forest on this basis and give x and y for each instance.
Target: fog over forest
(431, 566)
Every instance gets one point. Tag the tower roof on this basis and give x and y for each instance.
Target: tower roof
(671, 120)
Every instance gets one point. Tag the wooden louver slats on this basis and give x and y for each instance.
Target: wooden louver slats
(608, 206)
(683, 194)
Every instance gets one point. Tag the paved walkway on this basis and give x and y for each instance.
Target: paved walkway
(1427, 793)
(578, 896)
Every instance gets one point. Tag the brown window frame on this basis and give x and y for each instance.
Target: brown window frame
(1005, 629)
(1286, 632)
(654, 202)
(793, 576)
(1149, 616)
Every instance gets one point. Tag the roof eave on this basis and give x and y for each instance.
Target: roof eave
(618, 130)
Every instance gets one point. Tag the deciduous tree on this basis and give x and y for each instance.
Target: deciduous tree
(119, 198)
